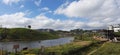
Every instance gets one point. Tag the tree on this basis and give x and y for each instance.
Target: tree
(29, 26)
(4, 33)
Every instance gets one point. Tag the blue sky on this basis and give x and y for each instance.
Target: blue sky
(59, 14)
(31, 6)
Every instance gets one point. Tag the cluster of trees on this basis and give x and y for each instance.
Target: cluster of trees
(117, 34)
(81, 34)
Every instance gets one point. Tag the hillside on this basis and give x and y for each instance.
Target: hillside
(23, 34)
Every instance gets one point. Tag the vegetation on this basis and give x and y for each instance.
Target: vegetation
(22, 34)
(117, 34)
(74, 48)
(109, 49)
(67, 49)
(83, 37)
(84, 43)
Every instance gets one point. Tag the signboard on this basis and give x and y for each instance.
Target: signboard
(16, 46)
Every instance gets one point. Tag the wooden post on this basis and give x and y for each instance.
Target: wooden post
(42, 50)
(2, 51)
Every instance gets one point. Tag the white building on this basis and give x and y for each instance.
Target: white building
(110, 27)
(115, 28)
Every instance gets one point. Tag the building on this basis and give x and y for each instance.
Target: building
(112, 36)
(115, 28)
(110, 27)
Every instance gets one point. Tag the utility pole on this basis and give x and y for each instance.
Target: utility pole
(0, 26)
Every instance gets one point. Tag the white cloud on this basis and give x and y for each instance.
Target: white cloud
(89, 8)
(21, 6)
(98, 12)
(44, 9)
(9, 2)
(13, 20)
(37, 3)
(95, 24)
(40, 21)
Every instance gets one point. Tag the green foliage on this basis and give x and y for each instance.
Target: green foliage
(85, 37)
(23, 34)
(117, 34)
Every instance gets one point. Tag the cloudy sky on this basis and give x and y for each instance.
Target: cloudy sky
(59, 14)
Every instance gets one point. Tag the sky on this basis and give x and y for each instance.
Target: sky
(59, 14)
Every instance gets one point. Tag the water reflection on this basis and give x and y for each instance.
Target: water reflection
(35, 44)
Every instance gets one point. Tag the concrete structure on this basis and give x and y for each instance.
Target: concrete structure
(115, 28)
(112, 29)
(116, 39)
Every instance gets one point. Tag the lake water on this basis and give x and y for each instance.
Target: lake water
(35, 44)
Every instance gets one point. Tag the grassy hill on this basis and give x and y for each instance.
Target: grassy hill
(23, 34)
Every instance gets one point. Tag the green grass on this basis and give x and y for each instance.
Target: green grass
(88, 49)
(23, 34)
(74, 48)
(68, 49)
(109, 49)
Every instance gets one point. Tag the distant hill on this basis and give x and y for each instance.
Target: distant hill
(24, 34)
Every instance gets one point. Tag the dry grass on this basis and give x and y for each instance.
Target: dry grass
(82, 43)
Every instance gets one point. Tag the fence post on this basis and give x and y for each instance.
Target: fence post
(16, 46)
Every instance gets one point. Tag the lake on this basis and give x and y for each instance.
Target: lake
(35, 44)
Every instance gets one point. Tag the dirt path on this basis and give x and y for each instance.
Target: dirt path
(92, 52)
(96, 49)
